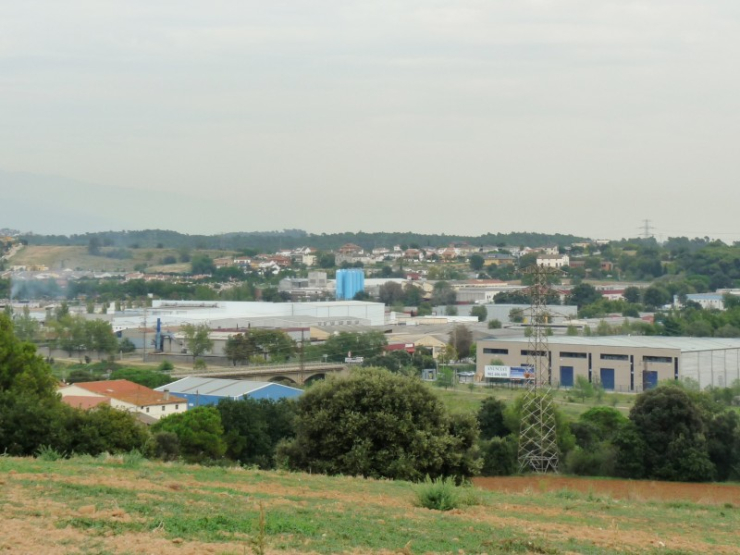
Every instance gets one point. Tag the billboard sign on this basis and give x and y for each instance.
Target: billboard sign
(509, 372)
(497, 371)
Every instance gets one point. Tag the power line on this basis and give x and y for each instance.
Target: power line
(647, 229)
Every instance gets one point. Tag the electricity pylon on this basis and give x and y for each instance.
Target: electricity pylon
(538, 448)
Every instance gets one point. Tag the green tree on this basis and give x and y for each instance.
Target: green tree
(126, 346)
(443, 294)
(583, 294)
(476, 262)
(366, 345)
(199, 431)
(253, 428)
(582, 388)
(445, 377)
(655, 297)
(499, 456)
(274, 345)
(376, 424)
(142, 376)
(197, 339)
(105, 430)
(461, 338)
(491, 419)
(673, 433)
(21, 369)
(101, 337)
(31, 413)
(93, 246)
(480, 312)
(239, 348)
(723, 444)
(326, 260)
(390, 293)
(202, 264)
(516, 315)
(425, 309)
(26, 327)
(632, 294)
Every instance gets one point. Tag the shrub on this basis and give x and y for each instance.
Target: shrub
(499, 456)
(166, 446)
(439, 495)
(597, 462)
(49, 454)
(165, 366)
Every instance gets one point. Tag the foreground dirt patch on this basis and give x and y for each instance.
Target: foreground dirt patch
(705, 494)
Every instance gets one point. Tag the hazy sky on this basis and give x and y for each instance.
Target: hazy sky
(574, 116)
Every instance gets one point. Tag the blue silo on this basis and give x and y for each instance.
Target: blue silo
(349, 283)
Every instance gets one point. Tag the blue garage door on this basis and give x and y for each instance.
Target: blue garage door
(607, 378)
(651, 380)
(566, 376)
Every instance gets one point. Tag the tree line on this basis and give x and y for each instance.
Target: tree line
(377, 424)
(269, 242)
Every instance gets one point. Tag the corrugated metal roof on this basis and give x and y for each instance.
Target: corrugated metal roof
(217, 386)
(684, 344)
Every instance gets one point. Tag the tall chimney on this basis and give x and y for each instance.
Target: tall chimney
(166, 394)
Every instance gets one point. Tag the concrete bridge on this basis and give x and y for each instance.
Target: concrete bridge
(297, 373)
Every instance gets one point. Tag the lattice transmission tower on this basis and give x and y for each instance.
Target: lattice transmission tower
(538, 448)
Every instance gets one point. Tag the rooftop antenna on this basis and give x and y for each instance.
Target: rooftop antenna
(538, 448)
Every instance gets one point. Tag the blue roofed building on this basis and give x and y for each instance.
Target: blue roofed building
(209, 391)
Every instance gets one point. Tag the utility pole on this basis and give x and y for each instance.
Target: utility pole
(538, 448)
(143, 358)
(302, 356)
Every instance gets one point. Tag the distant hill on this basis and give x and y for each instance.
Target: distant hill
(270, 241)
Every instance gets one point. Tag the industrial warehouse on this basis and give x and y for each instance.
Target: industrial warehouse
(618, 363)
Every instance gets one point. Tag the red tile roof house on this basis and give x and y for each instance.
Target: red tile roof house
(129, 396)
(85, 403)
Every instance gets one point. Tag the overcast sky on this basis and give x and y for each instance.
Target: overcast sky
(573, 116)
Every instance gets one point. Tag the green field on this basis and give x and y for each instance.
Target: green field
(125, 504)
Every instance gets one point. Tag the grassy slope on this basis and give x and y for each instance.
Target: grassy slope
(463, 399)
(56, 258)
(111, 505)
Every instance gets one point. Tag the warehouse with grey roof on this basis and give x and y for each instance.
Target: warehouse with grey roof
(209, 391)
(618, 363)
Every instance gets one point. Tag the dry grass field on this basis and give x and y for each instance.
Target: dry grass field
(127, 505)
(77, 258)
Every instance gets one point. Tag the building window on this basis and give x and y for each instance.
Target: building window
(605, 356)
(568, 354)
(147, 409)
(177, 407)
(492, 351)
(657, 359)
(530, 353)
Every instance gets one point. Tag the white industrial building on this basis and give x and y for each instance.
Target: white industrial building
(230, 313)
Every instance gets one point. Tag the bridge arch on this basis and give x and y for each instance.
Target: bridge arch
(314, 378)
(283, 380)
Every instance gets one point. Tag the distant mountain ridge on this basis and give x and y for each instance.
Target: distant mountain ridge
(270, 241)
